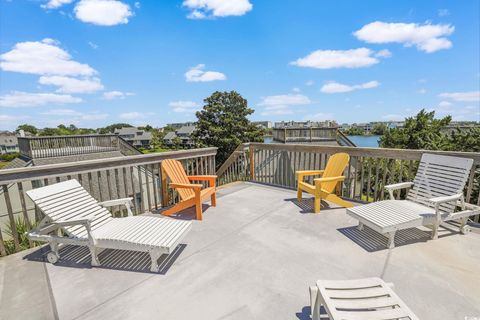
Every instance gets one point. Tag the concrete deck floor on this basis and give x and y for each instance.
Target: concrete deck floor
(252, 257)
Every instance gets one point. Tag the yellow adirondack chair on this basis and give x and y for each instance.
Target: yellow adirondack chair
(190, 194)
(325, 187)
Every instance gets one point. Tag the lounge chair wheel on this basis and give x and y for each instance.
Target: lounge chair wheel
(52, 257)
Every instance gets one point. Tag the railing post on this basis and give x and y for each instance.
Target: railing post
(252, 163)
(163, 178)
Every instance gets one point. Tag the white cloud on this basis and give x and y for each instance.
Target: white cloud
(25, 99)
(137, 5)
(426, 37)
(444, 104)
(329, 59)
(197, 74)
(94, 116)
(422, 91)
(103, 12)
(111, 95)
(93, 45)
(184, 106)
(132, 115)
(43, 58)
(281, 104)
(54, 4)
(335, 87)
(458, 113)
(443, 12)
(462, 96)
(201, 9)
(72, 85)
(296, 89)
(8, 119)
(61, 112)
(385, 53)
(310, 83)
(285, 99)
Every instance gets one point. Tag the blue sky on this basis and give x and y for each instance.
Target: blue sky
(96, 62)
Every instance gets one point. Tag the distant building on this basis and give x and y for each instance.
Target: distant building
(306, 124)
(178, 125)
(136, 137)
(8, 142)
(365, 127)
(183, 133)
(263, 124)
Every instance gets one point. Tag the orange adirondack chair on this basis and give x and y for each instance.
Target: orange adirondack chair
(325, 186)
(190, 194)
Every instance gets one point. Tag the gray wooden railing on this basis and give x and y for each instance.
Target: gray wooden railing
(369, 169)
(310, 135)
(136, 176)
(60, 146)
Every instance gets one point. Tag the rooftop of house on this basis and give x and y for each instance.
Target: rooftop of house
(252, 257)
(138, 133)
(186, 130)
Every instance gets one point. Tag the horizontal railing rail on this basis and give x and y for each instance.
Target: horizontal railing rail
(137, 176)
(366, 175)
(60, 146)
(310, 135)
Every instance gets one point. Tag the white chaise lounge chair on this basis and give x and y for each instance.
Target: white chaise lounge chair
(67, 205)
(434, 195)
(362, 299)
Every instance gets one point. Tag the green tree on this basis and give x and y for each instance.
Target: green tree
(422, 131)
(111, 128)
(177, 142)
(464, 140)
(379, 129)
(223, 123)
(354, 131)
(27, 128)
(49, 132)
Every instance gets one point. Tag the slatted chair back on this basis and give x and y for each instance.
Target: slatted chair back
(335, 166)
(175, 171)
(439, 176)
(66, 201)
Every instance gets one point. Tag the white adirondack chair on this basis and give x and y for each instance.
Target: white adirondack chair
(433, 197)
(67, 205)
(362, 299)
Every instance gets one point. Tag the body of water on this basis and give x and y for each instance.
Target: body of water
(365, 141)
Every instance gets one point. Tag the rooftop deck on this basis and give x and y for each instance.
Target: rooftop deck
(252, 257)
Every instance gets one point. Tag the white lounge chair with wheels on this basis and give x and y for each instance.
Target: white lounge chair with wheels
(68, 206)
(433, 197)
(362, 299)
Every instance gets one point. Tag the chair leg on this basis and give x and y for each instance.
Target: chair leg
(435, 231)
(93, 253)
(213, 199)
(360, 226)
(316, 204)
(391, 240)
(464, 226)
(198, 208)
(299, 194)
(314, 303)
(154, 256)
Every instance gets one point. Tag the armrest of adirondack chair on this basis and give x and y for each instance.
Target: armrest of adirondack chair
(397, 186)
(211, 179)
(437, 201)
(318, 181)
(127, 202)
(186, 186)
(305, 173)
